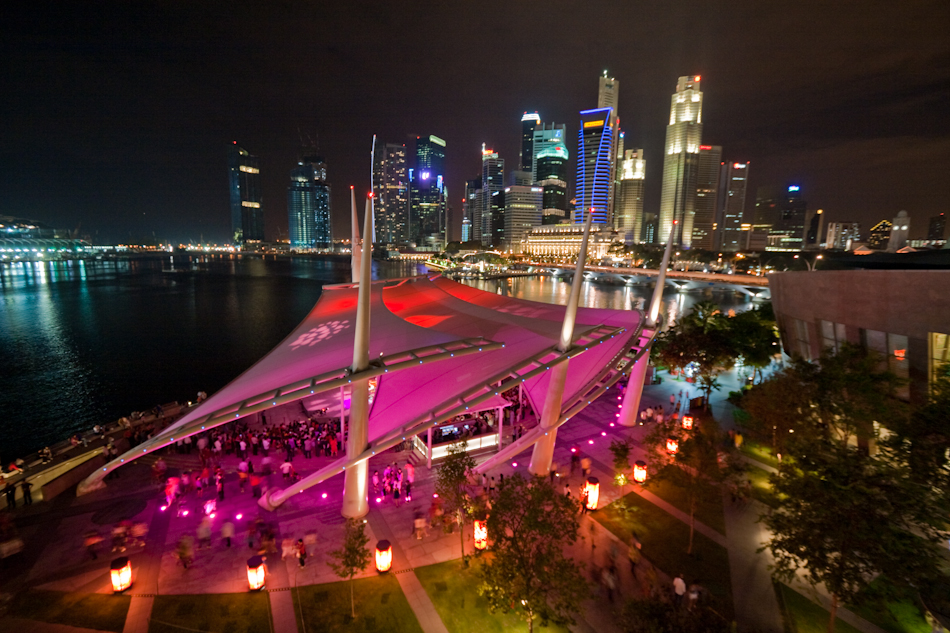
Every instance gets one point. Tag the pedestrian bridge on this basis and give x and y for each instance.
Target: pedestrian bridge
(682, 281)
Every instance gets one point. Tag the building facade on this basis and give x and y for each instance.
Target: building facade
(491, 225)
(879, 235)
(563, 241)
(247, 214)
(787, 233)
(841, 235)
(308, 205)
(549, 166)
(707, 197)
(529, 123)
(428, 194)
(899, 231)
(938, 227)
(735, 179)
(628, 212)
(391, 193)
(596, 155)
(522, 213)
(681, 161)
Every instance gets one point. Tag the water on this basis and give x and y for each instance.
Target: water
(88, 342)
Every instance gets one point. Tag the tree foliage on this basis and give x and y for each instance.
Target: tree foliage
(656, 615)
(451, 484)
(529, 526)
(352, 557)
(754, 337)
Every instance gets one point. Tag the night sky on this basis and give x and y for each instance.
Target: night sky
(117, 115)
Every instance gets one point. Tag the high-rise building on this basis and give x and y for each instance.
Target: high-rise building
(308, 205)
(813, 229)
(391, 193)
(549, 166)
(522, 212)
(492, 218)
(608, 92)
(596, 155)
(608, 96)
(841, 235)
(428, 195)
(707, 196)
(735, 179)
(247, 216)
(788, 230)
(628, 213)
(683, 135)
(879, 235)
(938, 227)
(899, 231)
(471, 210)
(529, 123)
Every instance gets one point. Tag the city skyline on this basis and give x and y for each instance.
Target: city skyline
(137, 104)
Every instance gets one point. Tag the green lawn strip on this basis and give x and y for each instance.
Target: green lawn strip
(454, 592)
(380, 606)
(761, 488)
(103, 612)
(758, 452)
(708, 511)
(231, 612)
(665, 539)
(901, 615)
(804, 616)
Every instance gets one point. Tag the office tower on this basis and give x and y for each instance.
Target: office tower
(549, 166)
(767, 201)
(608, 92)
(683, 134)
(628, 213)
(608, 96)
(247, 216)
(529, 122)
(813, 228)
(492, 225)
(788, 230)
(308, 205)
(899, 231)
(391, 193)
(596, 155)
(707, 196)
(879, 235)
(522, 211)
(937, 228)
(735, 179)
(471, 210)
(466, 229)
(428, 195)
(841, 235)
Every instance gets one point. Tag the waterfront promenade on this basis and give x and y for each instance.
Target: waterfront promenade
(54, 558)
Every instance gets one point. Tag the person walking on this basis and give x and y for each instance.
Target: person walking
(301, 552)
(227, 533)
(634, 554)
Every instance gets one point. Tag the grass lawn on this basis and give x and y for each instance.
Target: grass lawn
(760, 452)
(454, 592)
(804, 616)
(380, 606)
(897, 616)
(86, 610)
(665, 539)
(219, 612)
(761, 488)
(708, 511)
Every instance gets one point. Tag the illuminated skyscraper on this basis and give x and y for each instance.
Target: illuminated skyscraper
(522, 212)
(608, 96)
(937, 228)
(707, 196)
(736, 181)
(596, 155)
(491, 225)
(428, 195)
(681, 162)
(471, 212)
(391, 192)
(308, 205)
(529, 122)
(628, 214)
(879, 235)
(247, 216)
(789, 215)
(550, 170)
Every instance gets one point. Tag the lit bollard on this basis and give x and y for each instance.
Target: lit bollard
(384, 556)
(593, 492)
(121, 572)
(255, 573)
(640, 472)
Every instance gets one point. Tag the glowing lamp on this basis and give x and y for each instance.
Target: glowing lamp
(384, 556)
(672, 445)
(593, 492)
(481, 533)
(640, 472)
(255, 573)
(121, 571)
(687, 422)
(210, 507)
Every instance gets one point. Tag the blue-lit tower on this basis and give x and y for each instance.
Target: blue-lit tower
(428, 195)
(596, 156)
(308, 205)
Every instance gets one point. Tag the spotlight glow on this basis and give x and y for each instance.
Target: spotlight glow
(590, 441)
(323, 496)
(239, 517)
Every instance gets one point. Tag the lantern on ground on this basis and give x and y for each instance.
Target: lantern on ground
(481, 532)
(121, 571)
(687, 422)
(384, 556)
(593, 492)
(640, 472)
(672, 445)
(255, 573)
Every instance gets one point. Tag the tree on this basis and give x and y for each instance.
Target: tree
(655, 615)
(774, 406)
(451, 484)
(754, 338)
(621, 452)
(529, 526)
(352, 557)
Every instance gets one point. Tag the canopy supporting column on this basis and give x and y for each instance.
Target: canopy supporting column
(501, 426)
(429, 448)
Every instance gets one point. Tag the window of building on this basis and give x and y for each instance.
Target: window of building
(939, 345)
(832, 335)
(801, 345)
(892, 348)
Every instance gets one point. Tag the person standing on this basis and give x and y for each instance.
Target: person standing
(27, 495)
(679, 590)
(10, 490)
(227, 533)
(301, 552)
(634, 554)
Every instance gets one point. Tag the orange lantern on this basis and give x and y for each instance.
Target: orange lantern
(672, 445)
(593, 492)
(481, 533)
(384, 556)
(640, 472)
(687, 422)
(121, 574)
(255, 572)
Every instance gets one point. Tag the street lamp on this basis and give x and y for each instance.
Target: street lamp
(811, 265)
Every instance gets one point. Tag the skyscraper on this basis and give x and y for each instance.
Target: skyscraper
(937, 228)
(608, 96)
(841, 235)
(628, 213)
(736, 181)
(707, 196)
(428, 195)
(683, 135)
(596, 153)
(308, 205)
(471, 211)
(549, 166)
(529, 122)
(790, 214)
(492, 220)
(244, 176)
(522, 212)
(879, 235)
(391, 193)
